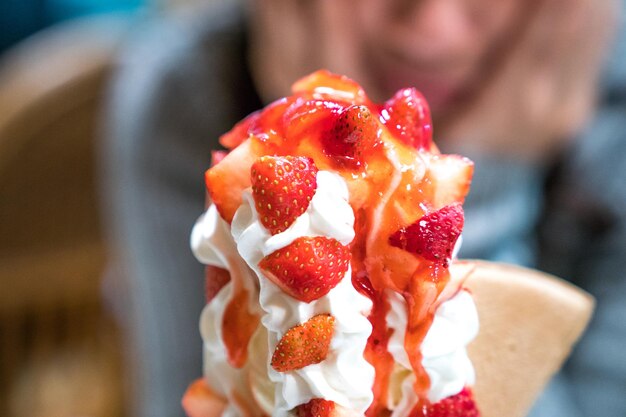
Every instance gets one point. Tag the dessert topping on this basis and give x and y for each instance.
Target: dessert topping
(459, 405)
(317, 407)
(407, 115)
(328, 121)
(304, 344)
(283, 187)
(308, 117)
(433, 236)
(354, 133)
(308, 268)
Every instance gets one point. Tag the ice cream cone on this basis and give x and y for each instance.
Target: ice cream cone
(529, 322)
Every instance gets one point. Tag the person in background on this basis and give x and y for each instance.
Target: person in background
(515, 85)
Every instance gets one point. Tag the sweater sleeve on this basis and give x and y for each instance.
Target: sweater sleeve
(161, 124)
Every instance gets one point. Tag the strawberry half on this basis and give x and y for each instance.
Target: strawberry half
(433, 236)
(318, 407)
(307, 116)
(354, 134)
(226, 180)
(460, 405)
(308, 268)
(304, 344)
(283, 187)
(407, 115)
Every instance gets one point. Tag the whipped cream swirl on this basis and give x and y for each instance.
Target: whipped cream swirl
(444, 349)
(344, 377)
(212, 244)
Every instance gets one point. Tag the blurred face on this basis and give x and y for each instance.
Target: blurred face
(439, 46)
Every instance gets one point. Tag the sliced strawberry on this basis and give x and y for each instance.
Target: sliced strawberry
(269, 127)
(318, 407)
(433, 236)
(407, 116)
(308, 268)
(200, 401)
(282, 187)
(306, 116)
(354, 134)
(460, 405)
(304, 344)
(226, 180)
(214, 280)
(326, 85)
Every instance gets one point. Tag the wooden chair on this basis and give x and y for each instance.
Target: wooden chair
(58, 354)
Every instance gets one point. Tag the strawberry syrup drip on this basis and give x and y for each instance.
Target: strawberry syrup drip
(419, 281)
(420, 299)
(376, 352)
(412, 278)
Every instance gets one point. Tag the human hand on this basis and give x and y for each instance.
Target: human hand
(543, 86)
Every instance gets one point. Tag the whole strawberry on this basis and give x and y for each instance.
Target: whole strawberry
(407, 115)
(308, 268)
(352, 136)
(282, 187)
(304, 344)
(460, 405)
(433, 236)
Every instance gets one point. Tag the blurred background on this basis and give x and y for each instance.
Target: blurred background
(60, 353)
(60, 350)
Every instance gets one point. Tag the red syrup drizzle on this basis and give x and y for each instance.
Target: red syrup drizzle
(376, 352)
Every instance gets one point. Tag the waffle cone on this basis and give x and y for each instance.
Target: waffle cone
(529, 322)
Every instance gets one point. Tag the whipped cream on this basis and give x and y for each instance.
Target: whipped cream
(344, 377)
(444, 349)
(212, 244)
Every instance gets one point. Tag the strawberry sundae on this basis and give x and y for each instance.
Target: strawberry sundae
(328, 242)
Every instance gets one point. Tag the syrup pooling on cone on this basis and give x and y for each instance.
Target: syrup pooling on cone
(329, 166)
